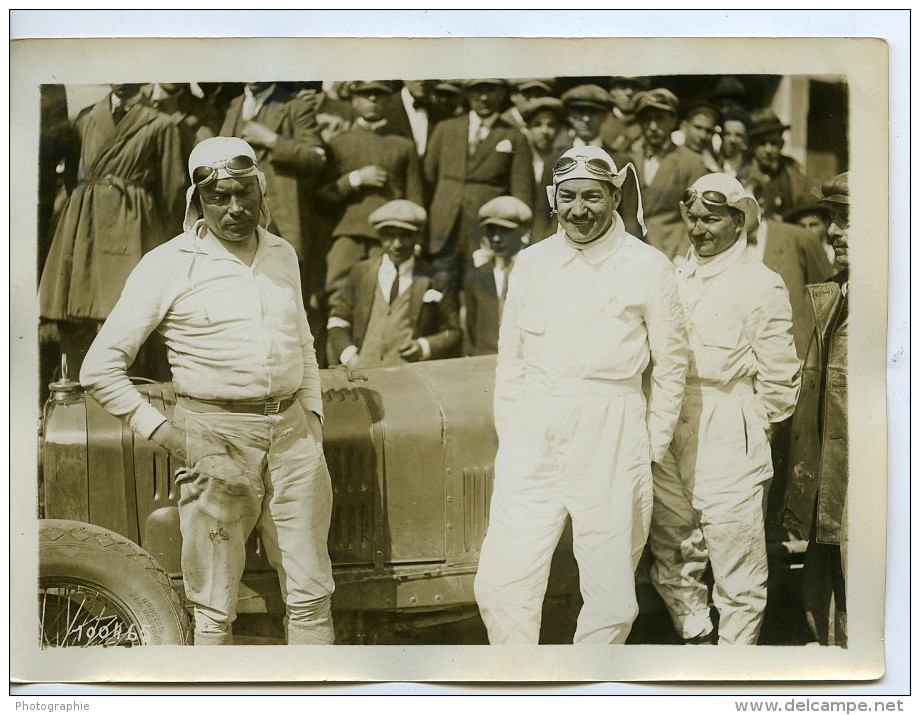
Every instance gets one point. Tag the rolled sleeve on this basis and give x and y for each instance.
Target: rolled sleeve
(667, 335)
(104, 373)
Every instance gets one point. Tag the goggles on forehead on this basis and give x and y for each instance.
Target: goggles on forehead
(709, 198)
(241, 165)
(594, 165)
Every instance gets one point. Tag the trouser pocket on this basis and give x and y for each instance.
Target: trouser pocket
(224, 476)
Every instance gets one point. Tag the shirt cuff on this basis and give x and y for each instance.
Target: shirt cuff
(354, 179)
(347, 354)
(146, 422)
(426, 348)
(337, 323)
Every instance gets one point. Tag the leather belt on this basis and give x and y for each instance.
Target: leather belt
(264, 407)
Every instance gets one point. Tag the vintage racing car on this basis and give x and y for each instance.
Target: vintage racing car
(410, 450)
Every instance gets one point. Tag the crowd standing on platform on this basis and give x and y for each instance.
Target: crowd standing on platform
(434, 218)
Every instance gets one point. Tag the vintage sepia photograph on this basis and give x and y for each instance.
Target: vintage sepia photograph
(449, 359)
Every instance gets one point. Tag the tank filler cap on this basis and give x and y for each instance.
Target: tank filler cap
(64, 389)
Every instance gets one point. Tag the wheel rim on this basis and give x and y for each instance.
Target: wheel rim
(80, 614)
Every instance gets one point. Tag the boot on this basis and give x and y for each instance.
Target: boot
(702, 639)
(318, 632)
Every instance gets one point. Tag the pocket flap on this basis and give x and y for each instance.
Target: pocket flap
(719, 336)
(532, 321)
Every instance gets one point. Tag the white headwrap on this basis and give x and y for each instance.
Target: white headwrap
(617, 177)
(216, 153)
(735, 194)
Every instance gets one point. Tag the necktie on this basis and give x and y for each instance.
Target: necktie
(480, 134)
(118, 113)
(394, 289)
(506, 269)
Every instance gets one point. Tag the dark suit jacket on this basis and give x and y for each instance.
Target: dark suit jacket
(544, 221)
(677, 170)
(438, 322)
(290, 166)
(360, 147)
(483, 310)
(799, 258)
(462, 183)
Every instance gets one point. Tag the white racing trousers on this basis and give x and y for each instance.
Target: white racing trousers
(710, 491)
(574, 448)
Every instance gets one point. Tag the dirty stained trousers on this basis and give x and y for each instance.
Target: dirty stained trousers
(710, 486)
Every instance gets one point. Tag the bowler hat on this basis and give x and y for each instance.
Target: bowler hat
(807, 209)
(588, 95)
(401, 213)
(836, 190)
(660, 98)
(507, 211)
(764, 122)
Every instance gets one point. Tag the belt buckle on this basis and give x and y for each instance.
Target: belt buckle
(272, 408)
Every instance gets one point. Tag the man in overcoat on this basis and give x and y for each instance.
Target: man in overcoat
(816, 492)
(128, 200)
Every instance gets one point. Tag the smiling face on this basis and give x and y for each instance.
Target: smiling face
(712, 229)
(398, 243)
(586, 207)
(231, 207)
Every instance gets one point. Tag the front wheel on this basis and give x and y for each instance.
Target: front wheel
(99, 588)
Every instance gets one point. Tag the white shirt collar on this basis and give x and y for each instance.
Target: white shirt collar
(713, 266)
(597, 250)
(371, 126)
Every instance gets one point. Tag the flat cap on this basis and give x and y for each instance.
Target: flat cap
(764, 122)
(507, 211)
(469, 83)
(550, 104)
(836, 190)
(695, 106)
(451, 86)
(588, 95)
(659, 98)
(381, 85)
(401, 213)
(544, 84)
(640, 83)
